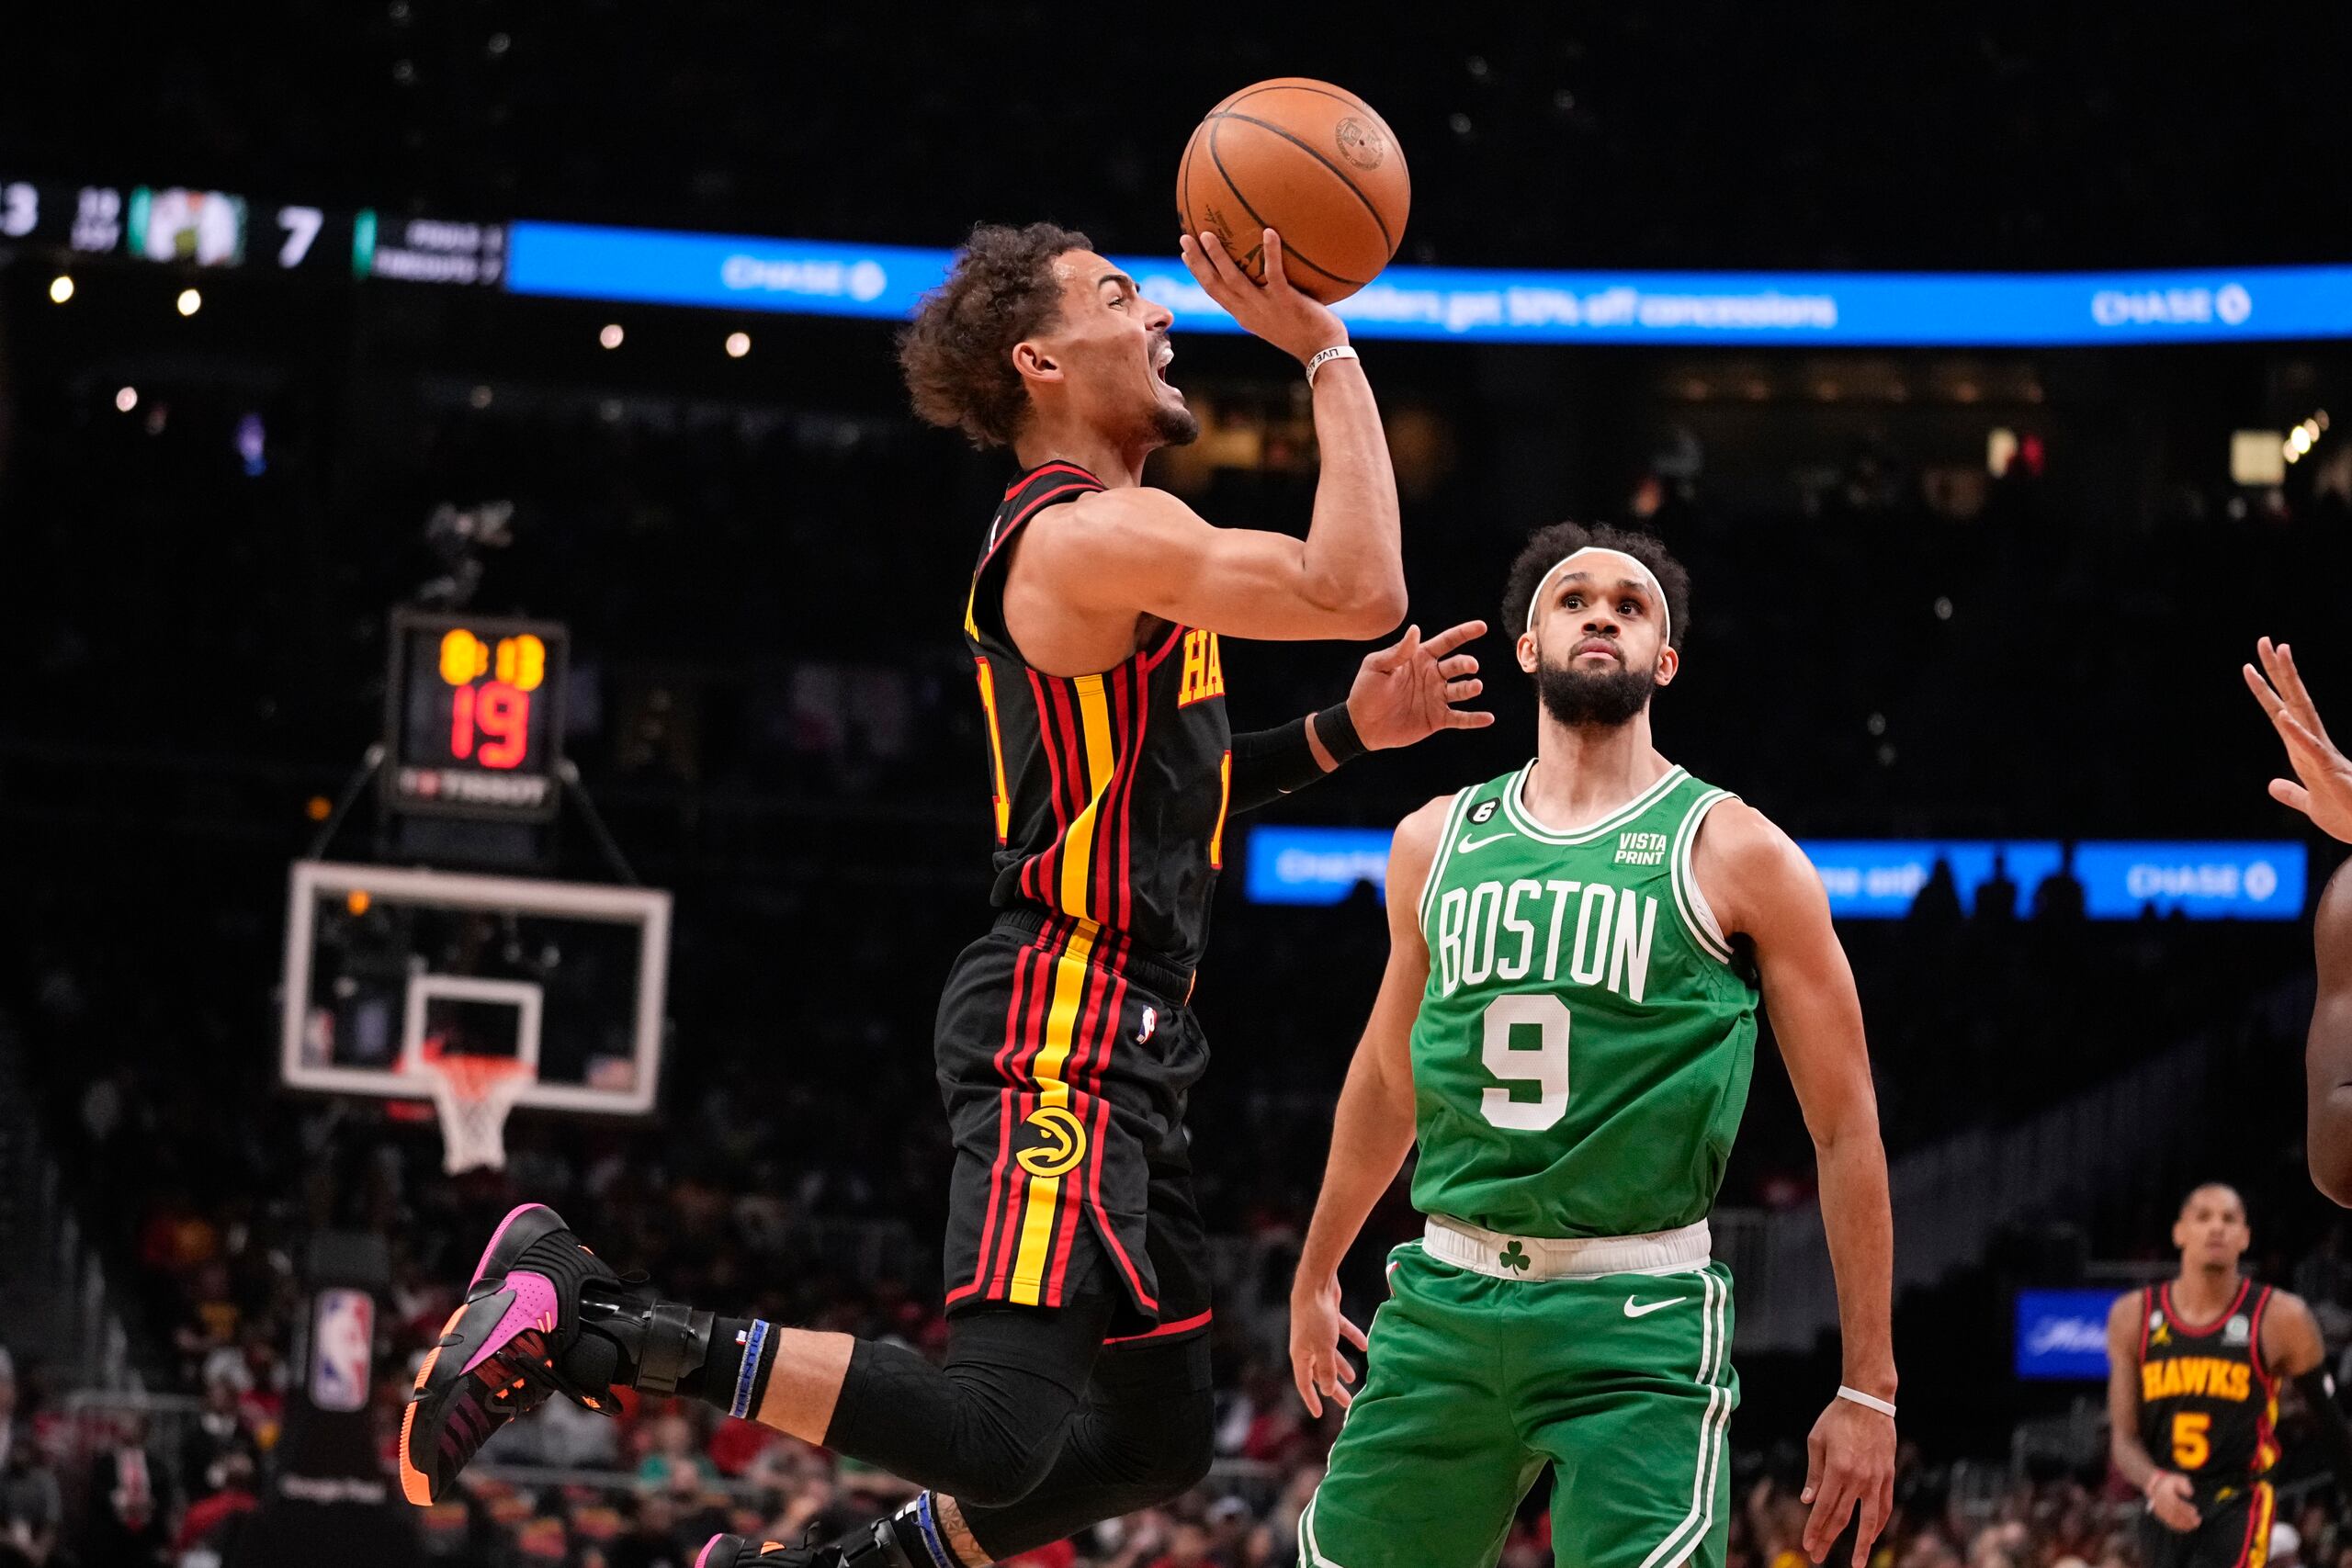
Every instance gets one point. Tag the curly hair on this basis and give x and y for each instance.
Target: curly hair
(1547, 548)
(957, 354)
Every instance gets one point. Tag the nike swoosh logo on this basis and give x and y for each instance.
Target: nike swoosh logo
(1633, 1310)
(1469, 843)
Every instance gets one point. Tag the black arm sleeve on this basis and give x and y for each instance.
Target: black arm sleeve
(2318, 1392)
(1268, 763)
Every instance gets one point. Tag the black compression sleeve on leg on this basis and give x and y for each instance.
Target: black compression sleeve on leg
(1147, 1435)
(984, 1428)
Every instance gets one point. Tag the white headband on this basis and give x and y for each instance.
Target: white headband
(1658, 588)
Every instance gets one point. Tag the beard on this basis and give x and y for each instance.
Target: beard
(1174, 426)
(1604, 701)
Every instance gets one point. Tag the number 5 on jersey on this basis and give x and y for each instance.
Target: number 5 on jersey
(2190, 1445)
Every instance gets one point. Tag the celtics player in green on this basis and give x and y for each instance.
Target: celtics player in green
(1567, 1025)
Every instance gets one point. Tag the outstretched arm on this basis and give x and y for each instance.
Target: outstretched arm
(1373, 1129)
(2168, 1491)
(1404, 692)
(2327, 1057)
(1760, 883)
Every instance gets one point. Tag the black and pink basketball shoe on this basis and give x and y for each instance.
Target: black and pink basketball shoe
(543, 1314)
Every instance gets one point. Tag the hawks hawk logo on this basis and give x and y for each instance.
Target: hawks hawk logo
(1064, 1146)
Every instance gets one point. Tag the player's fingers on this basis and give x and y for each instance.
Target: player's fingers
(1302, 1373)
(2286, 792)
(1873, 1520)
(1354, 1336)
(1453, 669)
(2262, 691)
(1463, 691)
(2299, 698)
(1446, 641)
(1468, 718)
(1221, 266)
(1276, 277)
(1830, 1512)
(1814, 1456)
(1347, 1369)
(1196, 262)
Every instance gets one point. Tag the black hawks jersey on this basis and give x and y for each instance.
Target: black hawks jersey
(2207, 1405)
(1110, 789)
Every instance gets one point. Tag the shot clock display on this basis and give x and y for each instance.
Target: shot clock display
(474, 716)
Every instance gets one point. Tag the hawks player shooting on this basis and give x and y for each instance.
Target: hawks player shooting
(1077, 1381)
(2194, 1366)
(1567, 1026)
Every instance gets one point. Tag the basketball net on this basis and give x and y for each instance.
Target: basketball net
(474, 1095)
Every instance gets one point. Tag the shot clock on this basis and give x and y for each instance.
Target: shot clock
(474, 716)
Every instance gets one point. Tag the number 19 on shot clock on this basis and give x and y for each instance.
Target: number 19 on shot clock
(474, 716)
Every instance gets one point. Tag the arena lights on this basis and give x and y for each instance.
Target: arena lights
(189, 302)
(60, 289)
(2304, 437)
(738, 344)
(126, 400)
(612, 336)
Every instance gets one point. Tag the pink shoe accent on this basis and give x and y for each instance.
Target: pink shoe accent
(498, 1235)
(533, 1294)
(702, 1558)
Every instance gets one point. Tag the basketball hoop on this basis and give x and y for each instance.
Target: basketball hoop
(474, 1095)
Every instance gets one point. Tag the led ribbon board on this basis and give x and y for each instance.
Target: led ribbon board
(1885, 310)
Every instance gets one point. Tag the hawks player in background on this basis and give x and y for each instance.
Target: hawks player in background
(1567, 1025)
(1077, 1378)
(2194, 1366)
(2321, 790)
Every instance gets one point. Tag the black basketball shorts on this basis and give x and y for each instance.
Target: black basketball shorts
(2232, 1531)
(1065, 1058)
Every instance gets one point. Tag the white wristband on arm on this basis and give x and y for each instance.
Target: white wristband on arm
(1866, 1401)
(1325, 357)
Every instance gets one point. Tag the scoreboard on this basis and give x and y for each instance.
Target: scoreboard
(473, 719)
(217, 229)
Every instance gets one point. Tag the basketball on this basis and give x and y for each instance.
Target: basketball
(1310, 160)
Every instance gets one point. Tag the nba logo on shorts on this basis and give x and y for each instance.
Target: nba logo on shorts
(343, 1335)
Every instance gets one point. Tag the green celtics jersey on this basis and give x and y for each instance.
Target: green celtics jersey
(1582, 1053)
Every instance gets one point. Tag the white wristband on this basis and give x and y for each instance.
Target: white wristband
(1866, 1401)
(1325, 357)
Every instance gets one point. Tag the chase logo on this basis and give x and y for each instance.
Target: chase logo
(1064, 1146)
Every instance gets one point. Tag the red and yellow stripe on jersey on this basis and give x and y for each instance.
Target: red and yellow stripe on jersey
(1108, 790)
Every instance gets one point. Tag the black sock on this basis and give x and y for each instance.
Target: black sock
(734, 1376)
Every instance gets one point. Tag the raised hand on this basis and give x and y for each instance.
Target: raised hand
(2324, 794)
(1407, 692)
(1297, 323)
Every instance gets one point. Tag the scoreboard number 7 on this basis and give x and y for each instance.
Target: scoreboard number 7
(302, 225)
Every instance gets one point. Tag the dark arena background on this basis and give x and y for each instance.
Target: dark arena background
(452, 440)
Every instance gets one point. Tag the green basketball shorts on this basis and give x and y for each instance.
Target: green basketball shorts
(1622, 1383)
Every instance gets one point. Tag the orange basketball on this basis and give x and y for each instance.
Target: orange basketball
(1311, 162)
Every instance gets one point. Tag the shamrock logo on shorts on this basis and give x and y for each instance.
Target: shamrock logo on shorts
(1515, 1257)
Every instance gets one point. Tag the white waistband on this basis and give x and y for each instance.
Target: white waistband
(1566, 1257)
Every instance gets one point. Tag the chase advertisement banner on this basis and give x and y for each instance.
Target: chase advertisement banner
(1882, 878)
(744, 272)
(2063, 1333)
